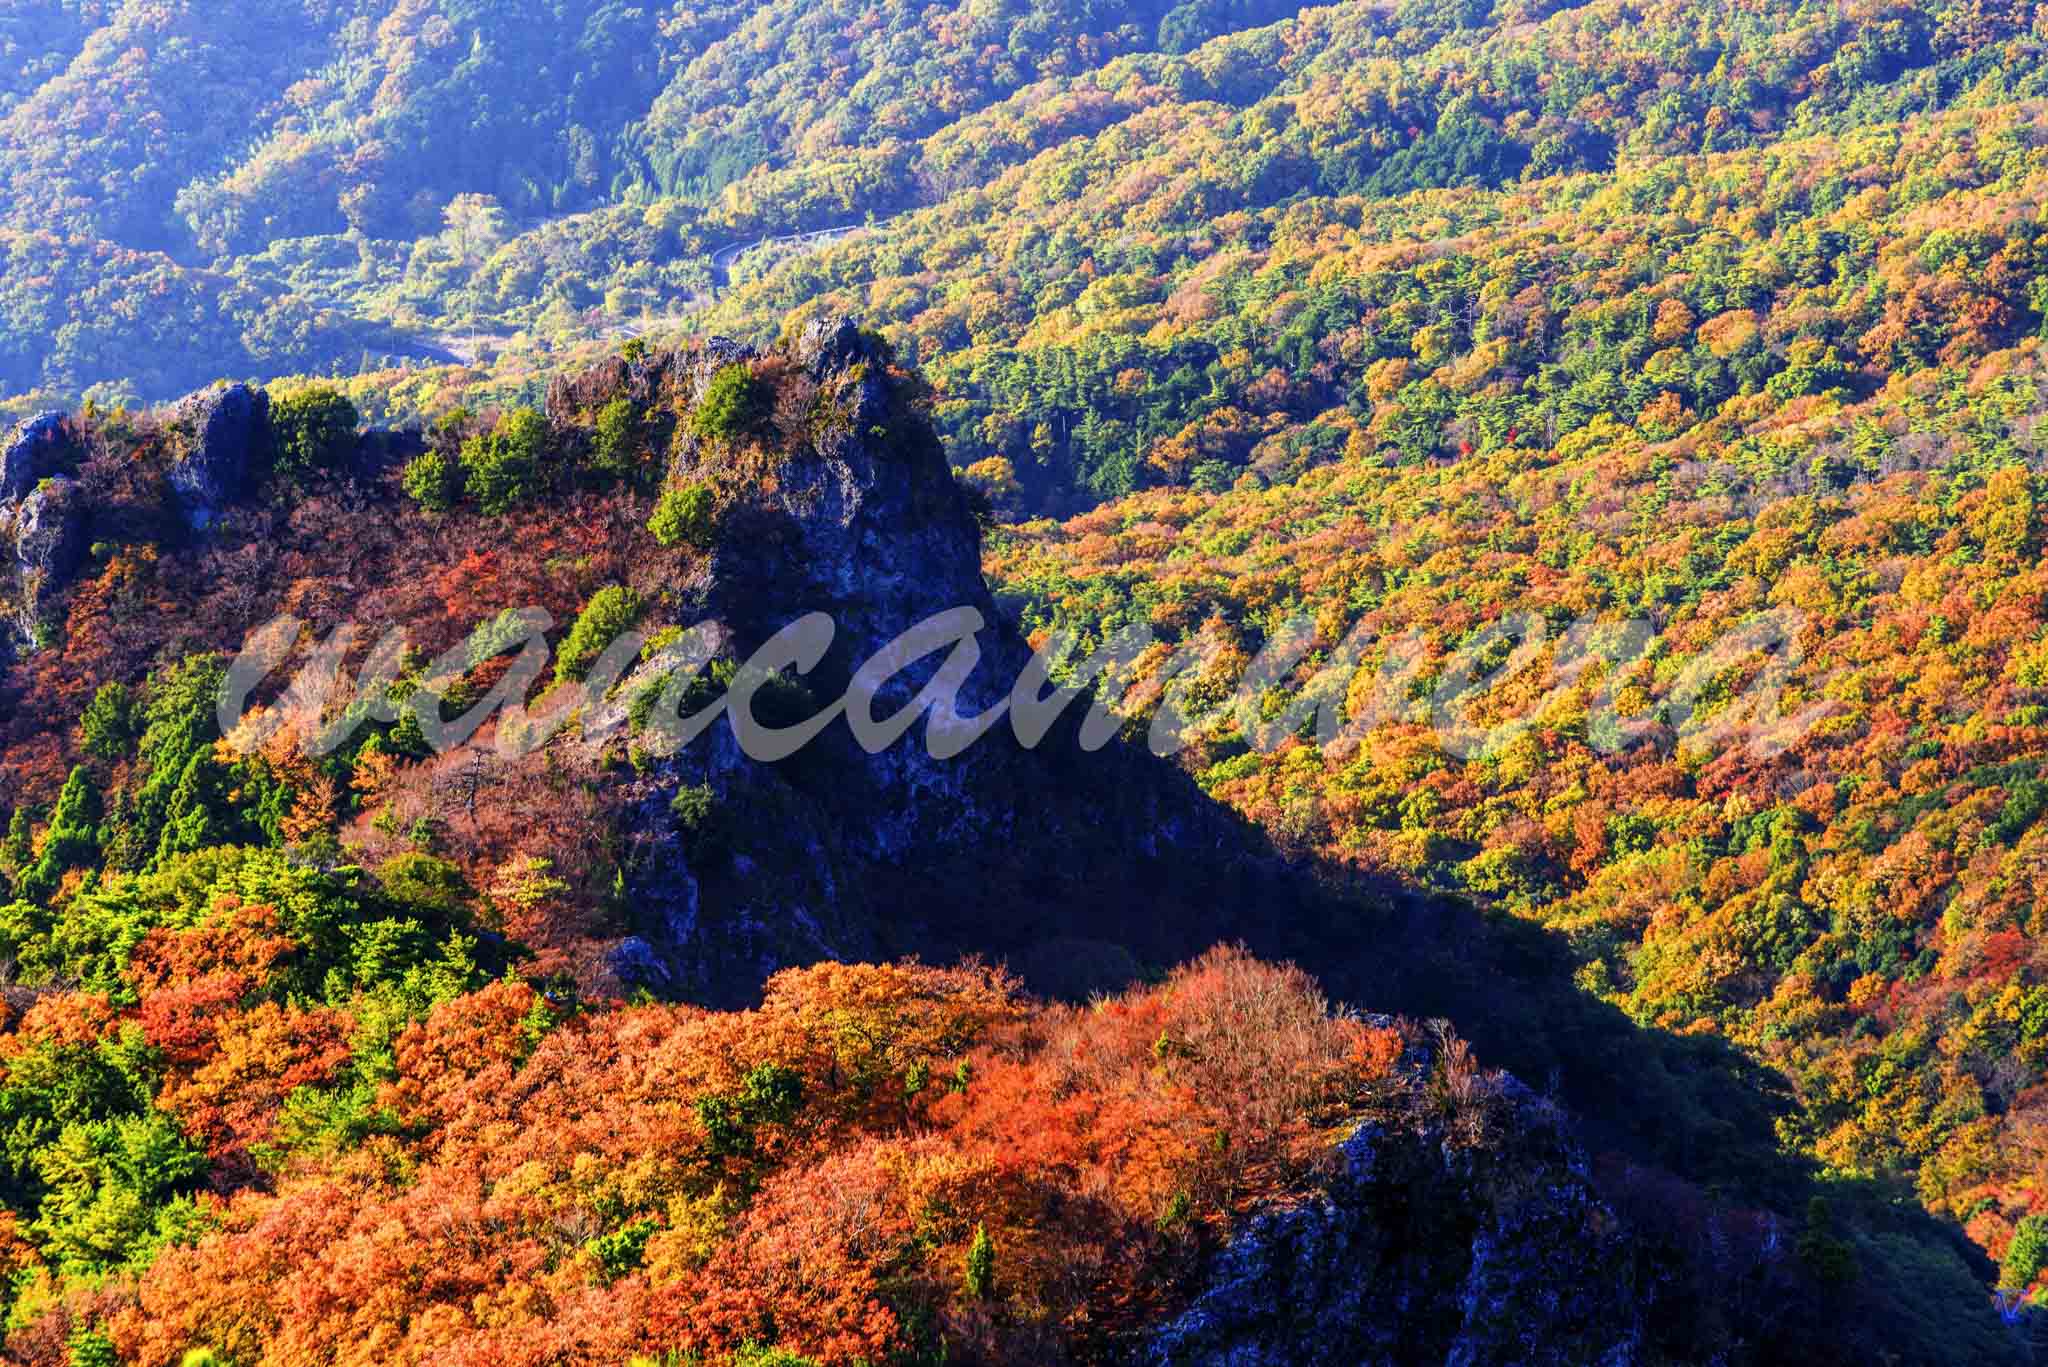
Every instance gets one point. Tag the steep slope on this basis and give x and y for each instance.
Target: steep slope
(275, 1006)
(1797, 807)
(1065, 862)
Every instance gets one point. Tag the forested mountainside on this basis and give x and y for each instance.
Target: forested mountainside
(261, 190)
(378, 1053)
(1623, 420)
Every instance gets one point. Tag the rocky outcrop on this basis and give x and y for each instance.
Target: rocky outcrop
(1419, 1249)
(46, 534)
(227, 432)
(841, 502)
(717, 354)
(42, 524)
(49, 532)
(864, 520)
(31, 452)
(575, 396)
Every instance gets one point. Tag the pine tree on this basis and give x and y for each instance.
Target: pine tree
(18, 849)
(73, 838)
(107, 727)
(199, 813)
(981, 1264)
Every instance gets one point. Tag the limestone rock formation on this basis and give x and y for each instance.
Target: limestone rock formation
(843, 503)
(1425, 1249)
(228, 429)
(26, 456)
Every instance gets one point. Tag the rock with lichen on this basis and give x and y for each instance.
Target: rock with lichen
(227, 436)
(30, 452)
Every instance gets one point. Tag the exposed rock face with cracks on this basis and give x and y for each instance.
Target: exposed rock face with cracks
(228, 429)
(839, 500)
(1426, 1246)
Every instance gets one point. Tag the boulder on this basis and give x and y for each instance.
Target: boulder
(718, 353)
(49, 534)
(229, 431)
(1421, 1249)
(27, 456)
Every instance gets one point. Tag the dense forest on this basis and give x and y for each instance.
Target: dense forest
(367, 183)
(330, 1037)
(1574, 481)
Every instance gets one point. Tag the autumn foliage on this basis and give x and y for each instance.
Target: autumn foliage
(581, 1187)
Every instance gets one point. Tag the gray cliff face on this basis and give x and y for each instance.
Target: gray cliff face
(1422, 1250)
(29, 452)
(866, 525)
(42, 524)
(849, 508)
(49, 532)
(865, 522)
(222, 437)
(47, 535)
(226, 429)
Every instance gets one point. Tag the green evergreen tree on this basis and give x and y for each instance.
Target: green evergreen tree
(314, 429)
(17, 851)
(107, 727)
(684, 514)
(432, 480)
(199, 812)
(504, 466)
(734, 403)
(73, 839)
(981, 1264)
(181, 722)
(610, 611)
(616, 446)
(2026, 1255)
(1827, 1256)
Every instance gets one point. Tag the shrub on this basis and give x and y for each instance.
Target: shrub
(504, 465)
(432, 480)
(314, 429)
(617, 448)
(733, 405)
(707, 829)
(684, 514)
(692, 804)
(610, 611)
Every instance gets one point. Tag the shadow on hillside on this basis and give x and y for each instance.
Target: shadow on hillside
(1079, 900)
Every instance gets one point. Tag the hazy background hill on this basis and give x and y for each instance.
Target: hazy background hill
(321, 187)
